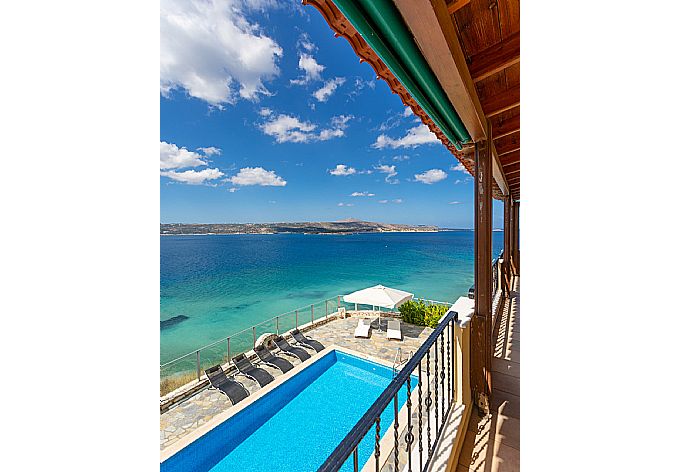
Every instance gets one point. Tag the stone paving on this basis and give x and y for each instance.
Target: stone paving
(190, 414)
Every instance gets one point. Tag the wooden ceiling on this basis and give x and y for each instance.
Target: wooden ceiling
(489, 35)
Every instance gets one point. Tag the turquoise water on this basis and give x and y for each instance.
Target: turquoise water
(225, 283)
(296, 426)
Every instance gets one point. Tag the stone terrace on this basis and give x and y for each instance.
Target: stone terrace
(190, 414)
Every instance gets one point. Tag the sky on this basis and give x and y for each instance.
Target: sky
(265, 116)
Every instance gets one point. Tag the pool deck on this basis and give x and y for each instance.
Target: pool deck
(206, 405)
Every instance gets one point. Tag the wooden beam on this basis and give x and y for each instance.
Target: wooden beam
(507, 144)
(434, 32)
(495, 58)
(457, 5)
(501, 102)
(507, 205)
(516, 236)
(512, 170)
(503, 128)
(480, 330)
(513, 178)
(510, 158)
(511, 149)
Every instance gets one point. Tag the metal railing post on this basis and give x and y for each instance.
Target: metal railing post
(229, 351)
(198, 364)
(326, 309)
(277, 325)
(338, 301)
(254, 332)
(312, 313)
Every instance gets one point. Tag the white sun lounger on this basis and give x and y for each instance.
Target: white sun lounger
(363, 328)
(394, 330)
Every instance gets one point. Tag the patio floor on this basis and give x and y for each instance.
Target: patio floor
(190, 414)
(493, 442)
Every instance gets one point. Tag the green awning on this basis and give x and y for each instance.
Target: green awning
(383, 28)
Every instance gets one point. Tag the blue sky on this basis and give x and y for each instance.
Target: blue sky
(265, 116)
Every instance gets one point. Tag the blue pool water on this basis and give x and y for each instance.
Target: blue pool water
(298, 424)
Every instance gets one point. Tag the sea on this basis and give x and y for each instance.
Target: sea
(212, 286)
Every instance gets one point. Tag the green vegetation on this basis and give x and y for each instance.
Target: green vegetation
(168, 384)
(422, 314)
(323, 227)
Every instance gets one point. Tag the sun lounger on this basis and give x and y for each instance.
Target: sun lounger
(393, 331)
(288, 348)
(249, 370)
(268, 358)
(302, 340)
(234, 390)
(363, 328)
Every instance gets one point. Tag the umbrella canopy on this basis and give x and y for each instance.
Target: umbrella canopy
(379, 296)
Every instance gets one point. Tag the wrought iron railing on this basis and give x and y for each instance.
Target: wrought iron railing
(433, 369)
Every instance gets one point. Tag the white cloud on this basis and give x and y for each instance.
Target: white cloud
(172, 157)
(404, 157)
(358, 85)
(342, 169)
(341, 204)
(407, 112)
(460, 168)
(455, 202)
(257, 176)
(233, 189)
(395, 200)
(209, 49)
(431, 176)
(194, 177)
(389, 171)
(312, 69)
(210, 151)
(324, 93)
(414, 137)
(362, 194)
(305, 43)
(290, 129)
(265, 112)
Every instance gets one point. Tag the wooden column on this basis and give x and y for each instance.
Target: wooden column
(480, 335)
(507, 239)
(516, 236)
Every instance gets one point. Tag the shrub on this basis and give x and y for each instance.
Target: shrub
(420, 314)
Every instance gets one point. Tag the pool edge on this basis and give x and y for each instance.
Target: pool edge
(176, 447)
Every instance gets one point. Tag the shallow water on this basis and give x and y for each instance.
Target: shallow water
(226, 283)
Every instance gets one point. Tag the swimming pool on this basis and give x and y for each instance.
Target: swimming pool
(295, 426)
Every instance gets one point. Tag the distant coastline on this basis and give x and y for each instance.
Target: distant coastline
(336, 227)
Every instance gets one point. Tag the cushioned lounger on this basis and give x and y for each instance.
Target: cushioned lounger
(302, 340)
(363, 328)
(268, 358)
(248, 369)
(234, 390)
(288, 348)
(393, 331)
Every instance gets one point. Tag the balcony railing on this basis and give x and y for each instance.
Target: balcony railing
(190, 366)
(495, 275)
(414, 437)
